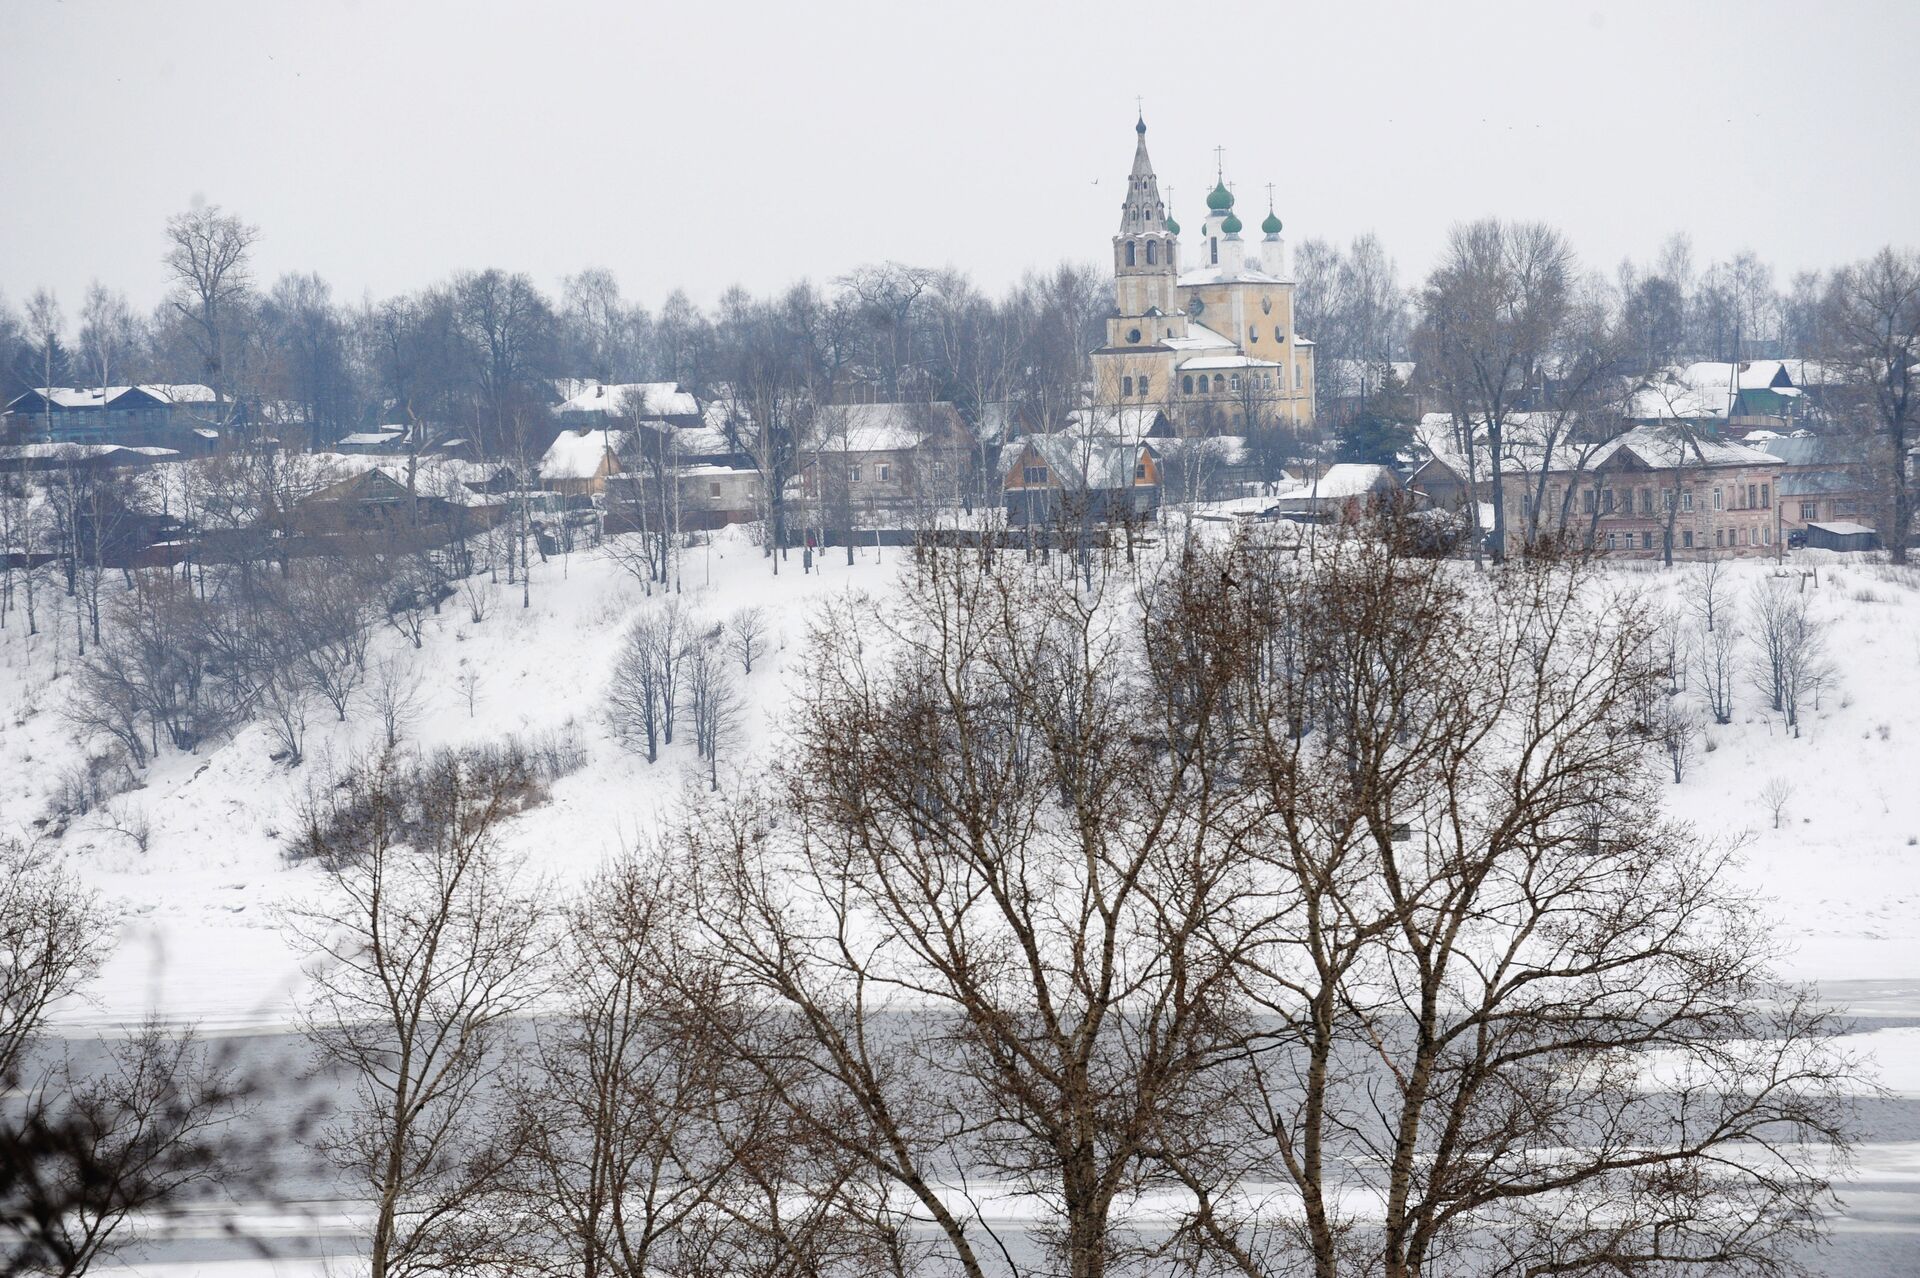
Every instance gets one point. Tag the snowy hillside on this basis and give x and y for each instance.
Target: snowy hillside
(198, 941)
(194, 856)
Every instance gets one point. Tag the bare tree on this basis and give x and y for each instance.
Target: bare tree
(423, 945)
(1492, 314)
(1678, 733)
(1716, 657)
(633, 1125)
(1872, 323)
(209, 260)
(1461, 958)
(54, 935)
(397, 696)
(747, 635)
(715, 704)
(1775, 795)
(1789, 662)
(87, 1151)
(983, 941)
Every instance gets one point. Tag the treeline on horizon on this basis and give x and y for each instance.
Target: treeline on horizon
(482, 348)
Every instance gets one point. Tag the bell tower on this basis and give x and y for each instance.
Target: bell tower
(1146, 251)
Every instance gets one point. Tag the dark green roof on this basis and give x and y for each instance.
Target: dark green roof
(1272, 225)
(1231, 226)
(1220, 198)
(1173, 227)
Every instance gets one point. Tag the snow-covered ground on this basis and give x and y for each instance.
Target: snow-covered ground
(198, 938)
(1841, 873)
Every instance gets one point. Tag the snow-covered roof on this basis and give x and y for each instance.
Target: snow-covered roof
(1665, 448)
(372, 438)
(180, 392)
(1206, 363)
(1844, 529)
(1352, 479)
(1221, 274)
(1199, 338)
(886, 428)
(579, 454)
(83, 452)
(632, 399)
(1080, 462)
(1130, 422)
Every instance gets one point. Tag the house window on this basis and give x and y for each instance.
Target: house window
(1753, 496)
(1126, 386)
(1219, 383)
(885, 471)
(1033, 476)
(1129, 252)
(1140, 471)
(1766, 536)
(1586, 501)
(853, 474)
(1144, 383)
(1646, 541)
(1606, 502)
(1718, 535)
(1809, 510)
(1234, 382)
(938, 469)
(1718, 504)
(1186, 384)
(1666, 499)
(713, 491)
(1686, 500)
(1766, 496)
(1686, 539)
(1609, 541)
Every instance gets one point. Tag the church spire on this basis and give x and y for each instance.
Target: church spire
(1143, 212)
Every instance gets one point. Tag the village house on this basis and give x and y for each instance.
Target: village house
(1047, 478)
(1342, 493)
(1717, 498)
(883, 462)
(589, 403)
(170, 415)
(579, 461)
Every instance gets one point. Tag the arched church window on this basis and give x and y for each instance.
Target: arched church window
(1213, 250)
(1152, 255)
(1186, 384)
(1144, 380)
(1253, 332)
(1129, 252)
(1219, 383)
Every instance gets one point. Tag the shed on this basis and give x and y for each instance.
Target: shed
(1842, 536)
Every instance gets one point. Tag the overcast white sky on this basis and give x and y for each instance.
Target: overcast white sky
(699, 144)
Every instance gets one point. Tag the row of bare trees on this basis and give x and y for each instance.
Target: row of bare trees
(1288, 913)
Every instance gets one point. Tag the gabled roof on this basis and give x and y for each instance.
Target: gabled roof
(1081, 463)
(630, 399)
(580, 454)
(887, 428)
(1665, 448)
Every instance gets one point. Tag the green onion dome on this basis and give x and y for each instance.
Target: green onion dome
(1231, 226)
(1220, 198)
(1272, 225)
(1173, 227)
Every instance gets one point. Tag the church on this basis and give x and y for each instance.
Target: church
(1210, 345)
